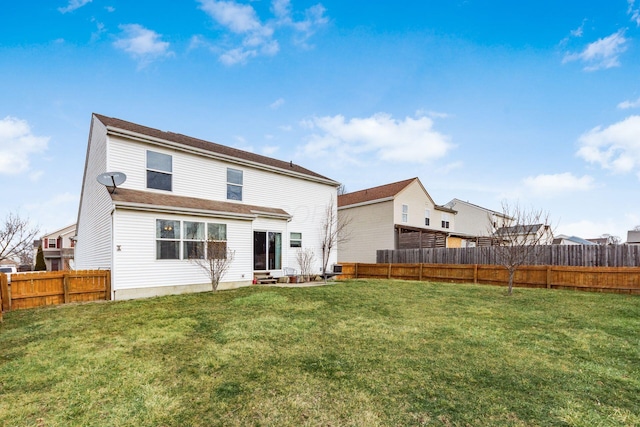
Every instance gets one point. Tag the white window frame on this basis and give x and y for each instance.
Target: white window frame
(427, 217)
(235, 185)
(445, 220)
(296, 240)
(405, 213)
(159, 171)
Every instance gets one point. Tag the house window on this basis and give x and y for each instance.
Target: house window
(295, 240)
(167, 239)
(193, 244)
(52, 244)
(427, 216)
(405, 213)
(216, 241)
(159, 171)
(234, 184)
(445, 220)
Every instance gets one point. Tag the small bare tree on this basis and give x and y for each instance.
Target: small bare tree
(216, 261)
(305, 258)
(16, 237)
(517, 242)
(333, 231)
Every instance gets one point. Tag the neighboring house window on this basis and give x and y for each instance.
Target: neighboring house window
(159, 170)
(167, 239)
(445, 220)
(234, 184)
(295, 240)
(193, 245)
(53, 244)
(427, 216)
(405, 213)
(217, 241)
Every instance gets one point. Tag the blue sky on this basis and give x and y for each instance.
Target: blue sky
(536, 101)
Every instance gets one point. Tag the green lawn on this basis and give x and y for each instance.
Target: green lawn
(355, 353)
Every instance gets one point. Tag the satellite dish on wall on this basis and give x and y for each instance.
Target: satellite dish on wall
(111, 179)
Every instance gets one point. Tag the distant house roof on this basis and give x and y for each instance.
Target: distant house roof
(383, 192)
(633, 237)
(375, 193)
(146, 200)
(451, 205)
(574, 239)
(114, 124)
(519, 229)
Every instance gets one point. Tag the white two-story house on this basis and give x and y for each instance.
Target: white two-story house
(181, 192)
(400, 215)
(58, 248)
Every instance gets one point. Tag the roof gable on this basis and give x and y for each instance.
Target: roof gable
(375, 193)
(207, 146)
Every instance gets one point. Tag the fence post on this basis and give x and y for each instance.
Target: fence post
(420, 267)
(389, 273)
(108, 285)
(356, 271)
(65, 286)
(548, 277)
(475, 273)
(4, 291)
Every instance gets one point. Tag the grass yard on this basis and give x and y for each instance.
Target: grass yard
(356, 353)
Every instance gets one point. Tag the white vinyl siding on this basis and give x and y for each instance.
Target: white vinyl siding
(93, 249)
(136, 263)
(371, 229)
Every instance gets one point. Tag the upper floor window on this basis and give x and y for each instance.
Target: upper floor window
(159, 170)
(234, 184)
(445, 220)
(405, 213)
(427, 216)
(295, 240)
(52, 243)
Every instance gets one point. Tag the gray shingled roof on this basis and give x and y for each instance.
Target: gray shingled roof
(208, 146)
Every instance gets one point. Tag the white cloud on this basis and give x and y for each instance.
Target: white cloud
(277, 104)
(616, 147)
(635, 13)
(73, 5)
(17, 145)
(142, 44)
(603, 53)
(257, 38)
(412, 140)
(629, 104)
(552, 185)
(110, 9)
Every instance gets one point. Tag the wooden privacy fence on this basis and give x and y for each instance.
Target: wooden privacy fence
(568, 255)
(28, 290)
(594, 279)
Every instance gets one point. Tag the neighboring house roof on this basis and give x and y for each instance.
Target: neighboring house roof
(144, 200)
(114, 125)
(519, 229)
(451, 205)
(573, 239)
(383, 192)
(375, 193)
(65, 230)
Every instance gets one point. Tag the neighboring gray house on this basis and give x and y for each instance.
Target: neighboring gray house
(524, 234)
(633, 237)
(476, 221)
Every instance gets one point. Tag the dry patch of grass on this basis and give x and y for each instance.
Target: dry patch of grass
(374, 353)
